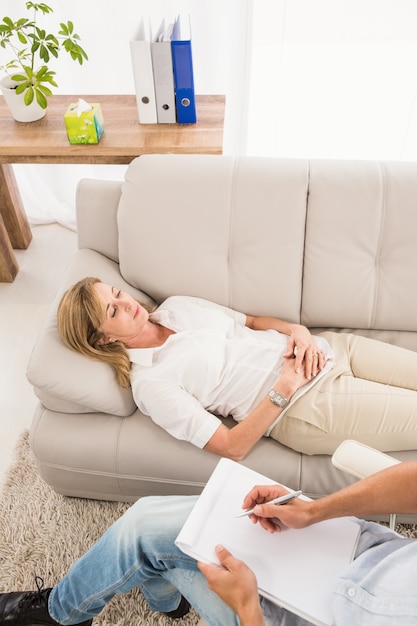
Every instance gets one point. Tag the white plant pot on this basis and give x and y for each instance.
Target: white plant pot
(16, 104)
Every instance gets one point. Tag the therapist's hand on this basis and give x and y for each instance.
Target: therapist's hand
(296, 514)
(236, 585)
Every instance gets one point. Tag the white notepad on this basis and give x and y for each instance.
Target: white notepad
(294, 568)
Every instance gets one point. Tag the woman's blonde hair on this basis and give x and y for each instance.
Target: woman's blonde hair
(80, 315)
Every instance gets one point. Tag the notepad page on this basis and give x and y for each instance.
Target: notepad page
(296, 568)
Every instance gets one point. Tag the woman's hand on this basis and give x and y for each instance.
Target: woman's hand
(302, 345)
(291, 378)
(236, 585)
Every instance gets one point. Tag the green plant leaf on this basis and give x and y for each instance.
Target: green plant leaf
(54, 51)
(39, 7)
(9, 23)
(23, 22)
(45, 8)
(52, 40)
(22, 87)
(22, 37)
(50, 80)
(28, 97)
(28, 70)
(41, 72)
(19, 77)
(45, 90)
(40, 99)
(44, 53)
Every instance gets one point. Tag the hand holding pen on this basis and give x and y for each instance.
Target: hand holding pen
(270, 505)
(287, 497)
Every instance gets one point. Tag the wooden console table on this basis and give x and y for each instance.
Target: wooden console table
(45, 141)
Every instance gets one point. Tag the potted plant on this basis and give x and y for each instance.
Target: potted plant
(29, 79)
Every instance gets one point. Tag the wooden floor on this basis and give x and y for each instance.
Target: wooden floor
(23, 307)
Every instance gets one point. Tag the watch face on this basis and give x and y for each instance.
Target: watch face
(278, 399)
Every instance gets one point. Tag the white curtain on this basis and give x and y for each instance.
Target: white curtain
(302, 79)
(334, 79)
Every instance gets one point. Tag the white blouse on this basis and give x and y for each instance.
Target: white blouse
(212, 366)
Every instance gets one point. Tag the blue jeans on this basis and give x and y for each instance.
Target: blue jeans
(138, 550)
(377, 588)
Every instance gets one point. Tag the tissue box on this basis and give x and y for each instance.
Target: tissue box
(84, 126)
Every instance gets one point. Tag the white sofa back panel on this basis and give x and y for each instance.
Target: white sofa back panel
(361, 222)
(229, 230)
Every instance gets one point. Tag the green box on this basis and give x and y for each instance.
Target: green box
(84, 126)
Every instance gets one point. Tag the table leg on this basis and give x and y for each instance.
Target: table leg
(12, 211)
(14, 228)
(8, 262)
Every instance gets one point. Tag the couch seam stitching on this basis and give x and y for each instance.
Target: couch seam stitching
(230, 252)
(378, 255)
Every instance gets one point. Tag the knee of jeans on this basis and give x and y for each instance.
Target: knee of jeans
(153, 515)
(140, 513)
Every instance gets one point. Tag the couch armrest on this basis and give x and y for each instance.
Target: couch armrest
(360, 460)
(97, 203)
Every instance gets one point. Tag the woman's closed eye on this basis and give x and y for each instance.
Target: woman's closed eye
(117, 295)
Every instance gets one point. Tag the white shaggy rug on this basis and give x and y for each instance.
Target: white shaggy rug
(42, 533)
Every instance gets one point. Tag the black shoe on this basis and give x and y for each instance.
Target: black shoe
(28, 608)
(182, 610)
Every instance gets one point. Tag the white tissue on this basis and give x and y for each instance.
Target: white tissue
(81, 107)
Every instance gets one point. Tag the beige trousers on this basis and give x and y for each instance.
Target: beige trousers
(370, 395)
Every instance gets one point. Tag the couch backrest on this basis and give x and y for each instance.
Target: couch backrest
(360, 268)
(328, 243)
(216, 227)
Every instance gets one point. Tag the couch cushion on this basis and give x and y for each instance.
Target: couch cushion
(361, 252)
(69, 382)
(227, 229)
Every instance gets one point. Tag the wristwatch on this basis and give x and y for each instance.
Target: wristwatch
(278, 399)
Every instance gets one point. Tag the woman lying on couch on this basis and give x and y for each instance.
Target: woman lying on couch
(191, 360)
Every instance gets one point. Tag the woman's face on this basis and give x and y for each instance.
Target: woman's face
(123, 318)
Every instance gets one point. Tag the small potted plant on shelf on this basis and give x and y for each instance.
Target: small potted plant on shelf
(29, 79)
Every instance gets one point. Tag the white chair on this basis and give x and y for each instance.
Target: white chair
(361, 461)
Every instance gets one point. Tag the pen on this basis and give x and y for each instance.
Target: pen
(281, 500)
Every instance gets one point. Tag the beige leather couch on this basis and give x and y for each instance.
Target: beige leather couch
(330, 244)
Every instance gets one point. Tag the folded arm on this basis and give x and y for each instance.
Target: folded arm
(301, 343)
(234, 443)
(297, 370)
